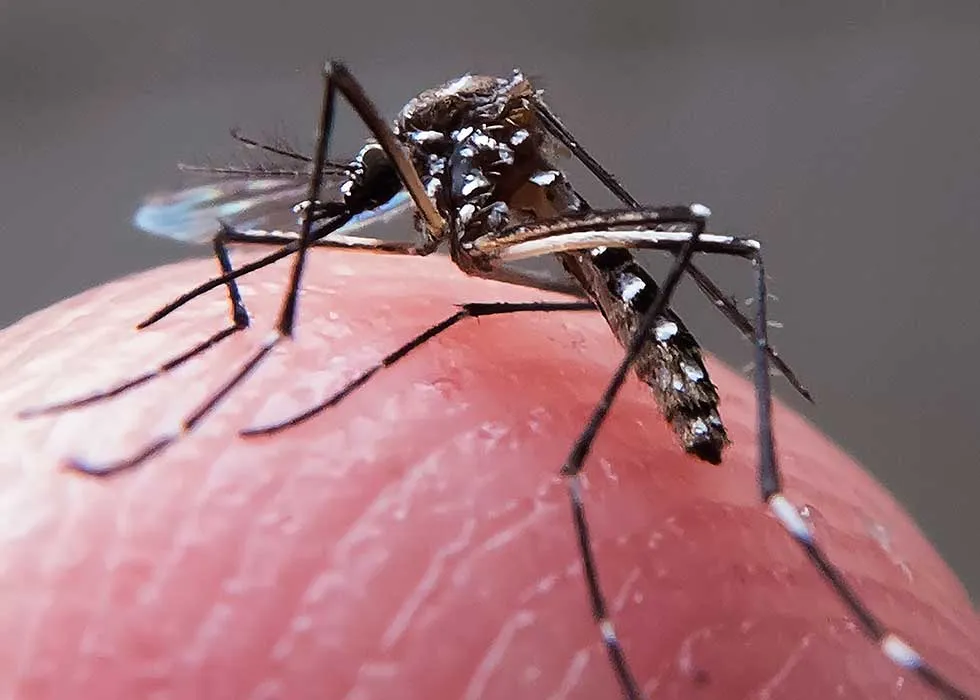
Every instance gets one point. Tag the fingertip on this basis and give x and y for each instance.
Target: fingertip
(414, 540)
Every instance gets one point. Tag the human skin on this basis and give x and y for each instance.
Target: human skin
(415, 541)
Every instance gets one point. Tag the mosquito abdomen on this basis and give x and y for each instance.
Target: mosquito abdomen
(671, 363)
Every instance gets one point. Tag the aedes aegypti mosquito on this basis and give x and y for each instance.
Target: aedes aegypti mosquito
(474, 157)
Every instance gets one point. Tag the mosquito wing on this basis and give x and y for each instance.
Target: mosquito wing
(246, 202)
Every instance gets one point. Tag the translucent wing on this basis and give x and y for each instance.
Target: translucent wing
(267, 202)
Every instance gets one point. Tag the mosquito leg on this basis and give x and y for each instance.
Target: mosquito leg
(554, 126)
(265, 261)
(576, 460)
(239, 321)
(746, 328)
(290, 244)
(471, 310)
(123, 387)
(786, 512)
(239, 313)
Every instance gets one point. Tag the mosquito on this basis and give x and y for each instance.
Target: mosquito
(474, 159)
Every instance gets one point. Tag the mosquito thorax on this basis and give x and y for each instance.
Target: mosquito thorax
(480, 152)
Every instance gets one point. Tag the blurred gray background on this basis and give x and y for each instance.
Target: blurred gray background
(844, 134)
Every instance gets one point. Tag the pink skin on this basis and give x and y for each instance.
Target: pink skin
(414, 542)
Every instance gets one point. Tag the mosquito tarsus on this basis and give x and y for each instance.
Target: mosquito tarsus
(470, 157)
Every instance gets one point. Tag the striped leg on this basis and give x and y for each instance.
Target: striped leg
(239, 321)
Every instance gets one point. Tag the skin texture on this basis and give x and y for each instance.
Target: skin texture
(414, 541)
